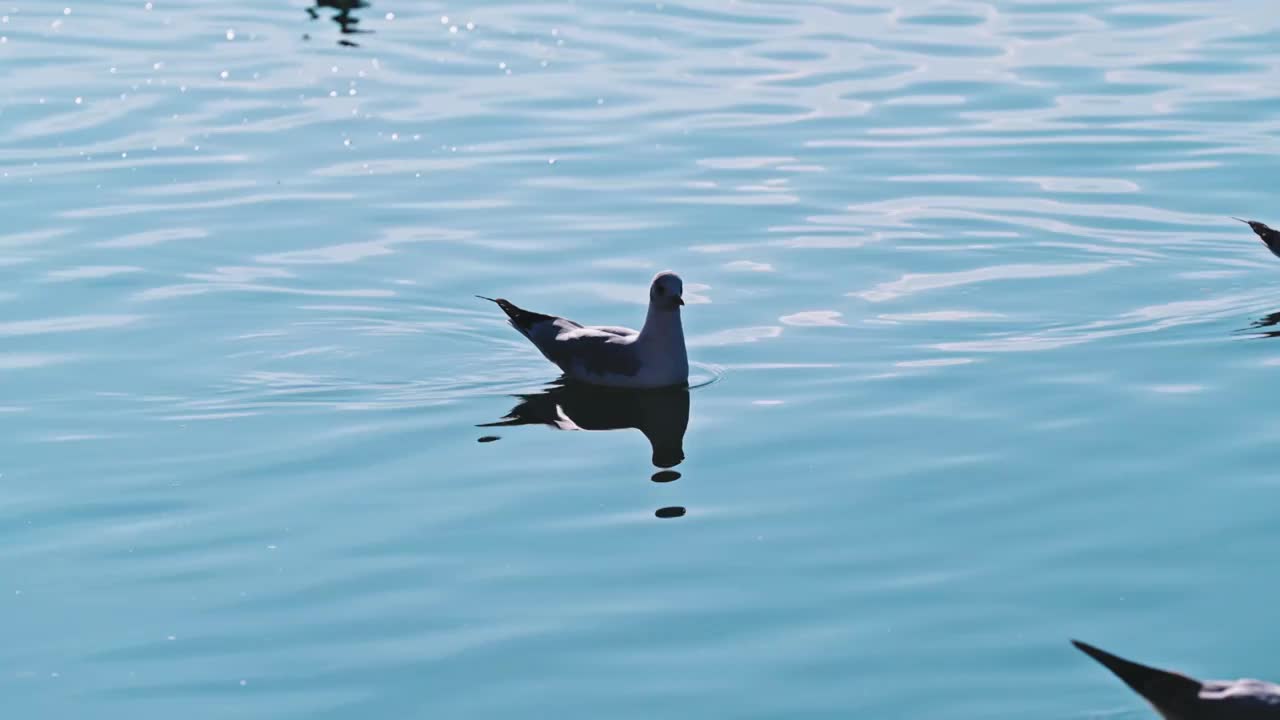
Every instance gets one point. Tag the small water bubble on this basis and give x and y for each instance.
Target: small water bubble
(333, 69)
(231, 34)
(502, 66)
(352, 91)
(543, 63)
(4, 18)
(395, 136)
(66, 11)
(157, 65)
(391, 16)
(224, 74)
(333, 93)
(551, 161)
(444, 19)
(148, 6)
(112, 71)
(508, 71)
(171, 638)
(124, 154)
(471, 26)
(54, 675)
(243, 683)
(347, 142)
(555, 32)
(416, 136)
(196, 148)
(453, 29)
(79, 101)
(3, 39)
(599, 101)
(55, 24)
(181, 88)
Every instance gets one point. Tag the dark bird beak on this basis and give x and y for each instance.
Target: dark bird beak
(680, 301)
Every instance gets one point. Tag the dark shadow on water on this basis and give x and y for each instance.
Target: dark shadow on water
(662, 415)
(347, 22)
(1268, 321)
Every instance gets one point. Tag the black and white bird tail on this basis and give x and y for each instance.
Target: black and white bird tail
(520, 319)
(1270, 237)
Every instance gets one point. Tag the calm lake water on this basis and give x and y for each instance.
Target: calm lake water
(982, 362)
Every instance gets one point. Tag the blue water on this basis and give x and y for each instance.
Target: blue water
(973, 334)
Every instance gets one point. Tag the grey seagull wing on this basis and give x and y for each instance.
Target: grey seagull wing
(591, 351)
(573, 348)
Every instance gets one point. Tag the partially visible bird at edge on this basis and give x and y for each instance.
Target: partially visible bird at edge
(1269, 236)
(1179, 697)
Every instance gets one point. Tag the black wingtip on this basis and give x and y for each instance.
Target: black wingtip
(1269, 236)
(523, 320)
(1161, 688)
(1093, 652)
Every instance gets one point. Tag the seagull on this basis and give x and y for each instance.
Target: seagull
(1178, 697)
(1269, 237)
(614, 356)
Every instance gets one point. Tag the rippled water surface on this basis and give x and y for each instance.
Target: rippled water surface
(983, 363)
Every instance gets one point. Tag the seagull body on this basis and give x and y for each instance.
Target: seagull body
(1270, 237)
(1178, 697)
(653, 357)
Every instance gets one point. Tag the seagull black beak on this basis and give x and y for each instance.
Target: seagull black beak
(679, 301)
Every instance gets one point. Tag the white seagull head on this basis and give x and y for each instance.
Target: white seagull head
(667, 291)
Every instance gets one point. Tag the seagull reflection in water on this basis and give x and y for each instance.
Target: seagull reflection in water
(662, 415)
(346, 21)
